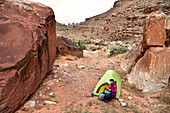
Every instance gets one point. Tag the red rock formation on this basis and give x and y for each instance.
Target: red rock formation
(154, 30)
(66, 47)
(151, 72)
(27, 50)
(131, 58)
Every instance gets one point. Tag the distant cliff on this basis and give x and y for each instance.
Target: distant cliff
(123, 21)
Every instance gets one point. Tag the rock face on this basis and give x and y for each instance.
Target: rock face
(154, 30)
(66, 47)
(131, 58)
(27, 50)
(149, 62)
(152, 71)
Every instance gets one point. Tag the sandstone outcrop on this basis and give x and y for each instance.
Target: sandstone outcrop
(131, 58)
(151, 72)
(154, 36)
(148, 64)
(27, 50)
(154, 30)
(66, 47)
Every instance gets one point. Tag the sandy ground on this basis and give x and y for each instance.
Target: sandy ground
(71, 88)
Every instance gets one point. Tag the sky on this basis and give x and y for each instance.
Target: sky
(68, 11)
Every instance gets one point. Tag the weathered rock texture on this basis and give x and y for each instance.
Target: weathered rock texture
(154, 36)
(149, 62)
(152, 71)
(154, 30)
(131, 58)
(27, 50)
(66, 47)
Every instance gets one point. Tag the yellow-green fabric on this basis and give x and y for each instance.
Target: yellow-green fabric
(110, 74)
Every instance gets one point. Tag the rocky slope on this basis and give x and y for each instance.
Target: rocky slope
(122, 22)
(27, 50)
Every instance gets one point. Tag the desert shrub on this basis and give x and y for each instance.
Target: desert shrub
(90, 103)
(165, 96)
(162, 109)
(75, 43)
(88, 42)
(132, 86)
(80, 44)
(117, 50)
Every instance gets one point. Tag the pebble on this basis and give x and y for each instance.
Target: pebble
(49, 102)
(110, 66)
(65, 65)
(37, 102)
(123, 104)
(121, 100)
(51, 93)
(55, 76)
(55, 71)
(123, 80)
(60, 79)
(81, 66)
(69, 75)
(31, 103)
(56, 80)
(40, 94)
(130, 98)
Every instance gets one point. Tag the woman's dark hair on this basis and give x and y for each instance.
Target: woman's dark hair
(111, 80)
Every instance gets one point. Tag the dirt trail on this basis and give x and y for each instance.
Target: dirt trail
(72, 81)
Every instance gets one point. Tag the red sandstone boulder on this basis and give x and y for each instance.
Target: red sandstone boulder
(131, 58)
(27, 50)
(154, 30)
(66, 47)
(152, 71)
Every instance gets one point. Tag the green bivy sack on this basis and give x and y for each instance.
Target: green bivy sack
(110, 74)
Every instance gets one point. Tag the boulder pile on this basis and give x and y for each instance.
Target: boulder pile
(148, 64)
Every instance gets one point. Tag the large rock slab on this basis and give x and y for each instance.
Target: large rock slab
(66, 47)
(131, 58)
(154, 30)
(152, 71)
(27, 50)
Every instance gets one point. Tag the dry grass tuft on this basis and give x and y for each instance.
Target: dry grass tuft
(162, 109)
(165, 98)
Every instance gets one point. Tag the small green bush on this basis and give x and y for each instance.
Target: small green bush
(117, 50)
(90, 103)
(56, 101)
(81, 44)
(52, 96)
(75, 43)
(132, 86)
(88, 42)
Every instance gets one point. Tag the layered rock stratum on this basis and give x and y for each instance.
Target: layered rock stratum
(124, 21)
